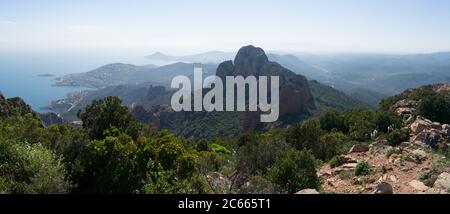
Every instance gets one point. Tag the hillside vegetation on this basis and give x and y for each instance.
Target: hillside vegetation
(113, 153)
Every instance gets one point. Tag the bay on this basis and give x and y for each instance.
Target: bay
(25, 75)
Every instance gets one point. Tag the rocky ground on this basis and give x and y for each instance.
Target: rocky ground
(402, 171)
(413, 167)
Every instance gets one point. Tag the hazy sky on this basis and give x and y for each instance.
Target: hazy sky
(200, 25)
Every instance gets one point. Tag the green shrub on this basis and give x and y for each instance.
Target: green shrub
(105, 114)
(202, 145)
(362, 169)
(333, 120)
(361, 124)
(219, 149)
(305, 135)
(335, 162)
(30, 169)
(259, 154)
(384, 119)
(295, 171)
(435, 107)
(310, 136)
(398, 136)
(329, 145)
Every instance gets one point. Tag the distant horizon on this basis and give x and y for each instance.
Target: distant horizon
(189, 52)
(302, 52)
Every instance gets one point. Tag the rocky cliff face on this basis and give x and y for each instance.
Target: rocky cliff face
(295, 95)
(13, 106)
(50, 118)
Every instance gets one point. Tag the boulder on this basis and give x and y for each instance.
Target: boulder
(343, 159)
(419, 125)
(349, 165)
(405, 144)
(446, 130)
(419, 186)
(383, 188)
(359, 148)
(428, 137)
(443, 182)
(307, 192)
(436, 125)
(393, 178)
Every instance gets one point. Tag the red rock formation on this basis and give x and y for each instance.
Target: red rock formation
(295, 95)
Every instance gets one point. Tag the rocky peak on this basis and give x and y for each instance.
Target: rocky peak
(295, 95)
(249, 60)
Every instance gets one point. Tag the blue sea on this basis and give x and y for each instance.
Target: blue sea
(20, 74)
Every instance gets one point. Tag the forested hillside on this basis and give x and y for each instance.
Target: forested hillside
(113, 153)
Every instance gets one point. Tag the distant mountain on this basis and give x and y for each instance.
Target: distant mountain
(299, 99)
(368, 96)
(370, 77)
(206, 58)
(126, 74)
(328, 97)
(288, 61)
(296, 65)
(107, 75)
(383, 73)
(131, 95)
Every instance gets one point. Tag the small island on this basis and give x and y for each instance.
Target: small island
(46, 75)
